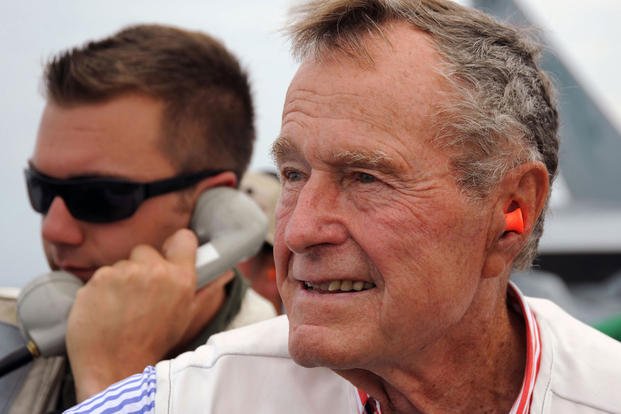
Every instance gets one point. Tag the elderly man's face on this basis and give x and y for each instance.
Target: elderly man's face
(378, 252)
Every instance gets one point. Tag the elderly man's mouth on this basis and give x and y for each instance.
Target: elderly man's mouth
(338, 286)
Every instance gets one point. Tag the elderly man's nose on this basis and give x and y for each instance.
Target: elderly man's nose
(316, 218)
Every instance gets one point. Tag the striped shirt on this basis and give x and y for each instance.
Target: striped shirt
(136, 394)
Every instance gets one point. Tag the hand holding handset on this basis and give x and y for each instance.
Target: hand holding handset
(230, 227)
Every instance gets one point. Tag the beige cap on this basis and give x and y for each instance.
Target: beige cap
(264, 188)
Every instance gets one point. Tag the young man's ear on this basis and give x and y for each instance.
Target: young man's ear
(522, 196)
(224, 179)
(190, 197)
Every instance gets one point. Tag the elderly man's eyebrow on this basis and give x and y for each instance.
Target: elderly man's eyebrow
(376, 160)
(372, 160)
(282, 148)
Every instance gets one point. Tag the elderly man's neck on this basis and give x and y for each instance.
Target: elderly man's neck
(479, 368)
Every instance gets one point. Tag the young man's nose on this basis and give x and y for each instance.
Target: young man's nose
(59, 226)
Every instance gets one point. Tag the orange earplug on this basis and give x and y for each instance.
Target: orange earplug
(271, 274)
(514, 221)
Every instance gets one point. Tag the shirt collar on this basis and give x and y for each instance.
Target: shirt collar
(533, 350)
(363, 400)
(521, 405)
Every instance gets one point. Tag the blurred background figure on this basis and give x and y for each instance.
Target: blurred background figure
(260, 270)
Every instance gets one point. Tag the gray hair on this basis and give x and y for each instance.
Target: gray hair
(501, 112)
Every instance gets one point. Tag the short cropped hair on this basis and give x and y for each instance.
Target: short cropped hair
(208, 116)
(501, 112)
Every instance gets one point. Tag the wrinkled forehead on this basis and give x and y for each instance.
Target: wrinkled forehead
(397, 50)
(394, 97)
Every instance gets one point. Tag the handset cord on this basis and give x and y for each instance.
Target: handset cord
(18, 358)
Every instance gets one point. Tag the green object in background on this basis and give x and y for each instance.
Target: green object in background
(611, 327)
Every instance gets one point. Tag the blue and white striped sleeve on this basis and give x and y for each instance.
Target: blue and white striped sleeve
(135, 395)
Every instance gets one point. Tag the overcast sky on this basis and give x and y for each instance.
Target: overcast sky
(586, 32)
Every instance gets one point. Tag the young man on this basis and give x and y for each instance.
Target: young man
(149, 103)
(418, 145)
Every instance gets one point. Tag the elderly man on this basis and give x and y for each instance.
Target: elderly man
(418, 144)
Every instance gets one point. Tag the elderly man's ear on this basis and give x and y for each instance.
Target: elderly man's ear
(521, 198)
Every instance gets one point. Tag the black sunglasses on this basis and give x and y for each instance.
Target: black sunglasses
(102, 200)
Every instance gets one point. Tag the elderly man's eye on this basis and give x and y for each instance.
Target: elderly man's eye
(292, 175)
(365, 178)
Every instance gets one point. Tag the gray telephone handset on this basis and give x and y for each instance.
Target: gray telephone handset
(230, 227)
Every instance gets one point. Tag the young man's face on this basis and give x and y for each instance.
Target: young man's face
(117, 139)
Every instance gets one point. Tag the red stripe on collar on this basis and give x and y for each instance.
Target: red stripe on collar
(533, 351)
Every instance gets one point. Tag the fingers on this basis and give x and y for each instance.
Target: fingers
(180, 248)
(178, 256)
